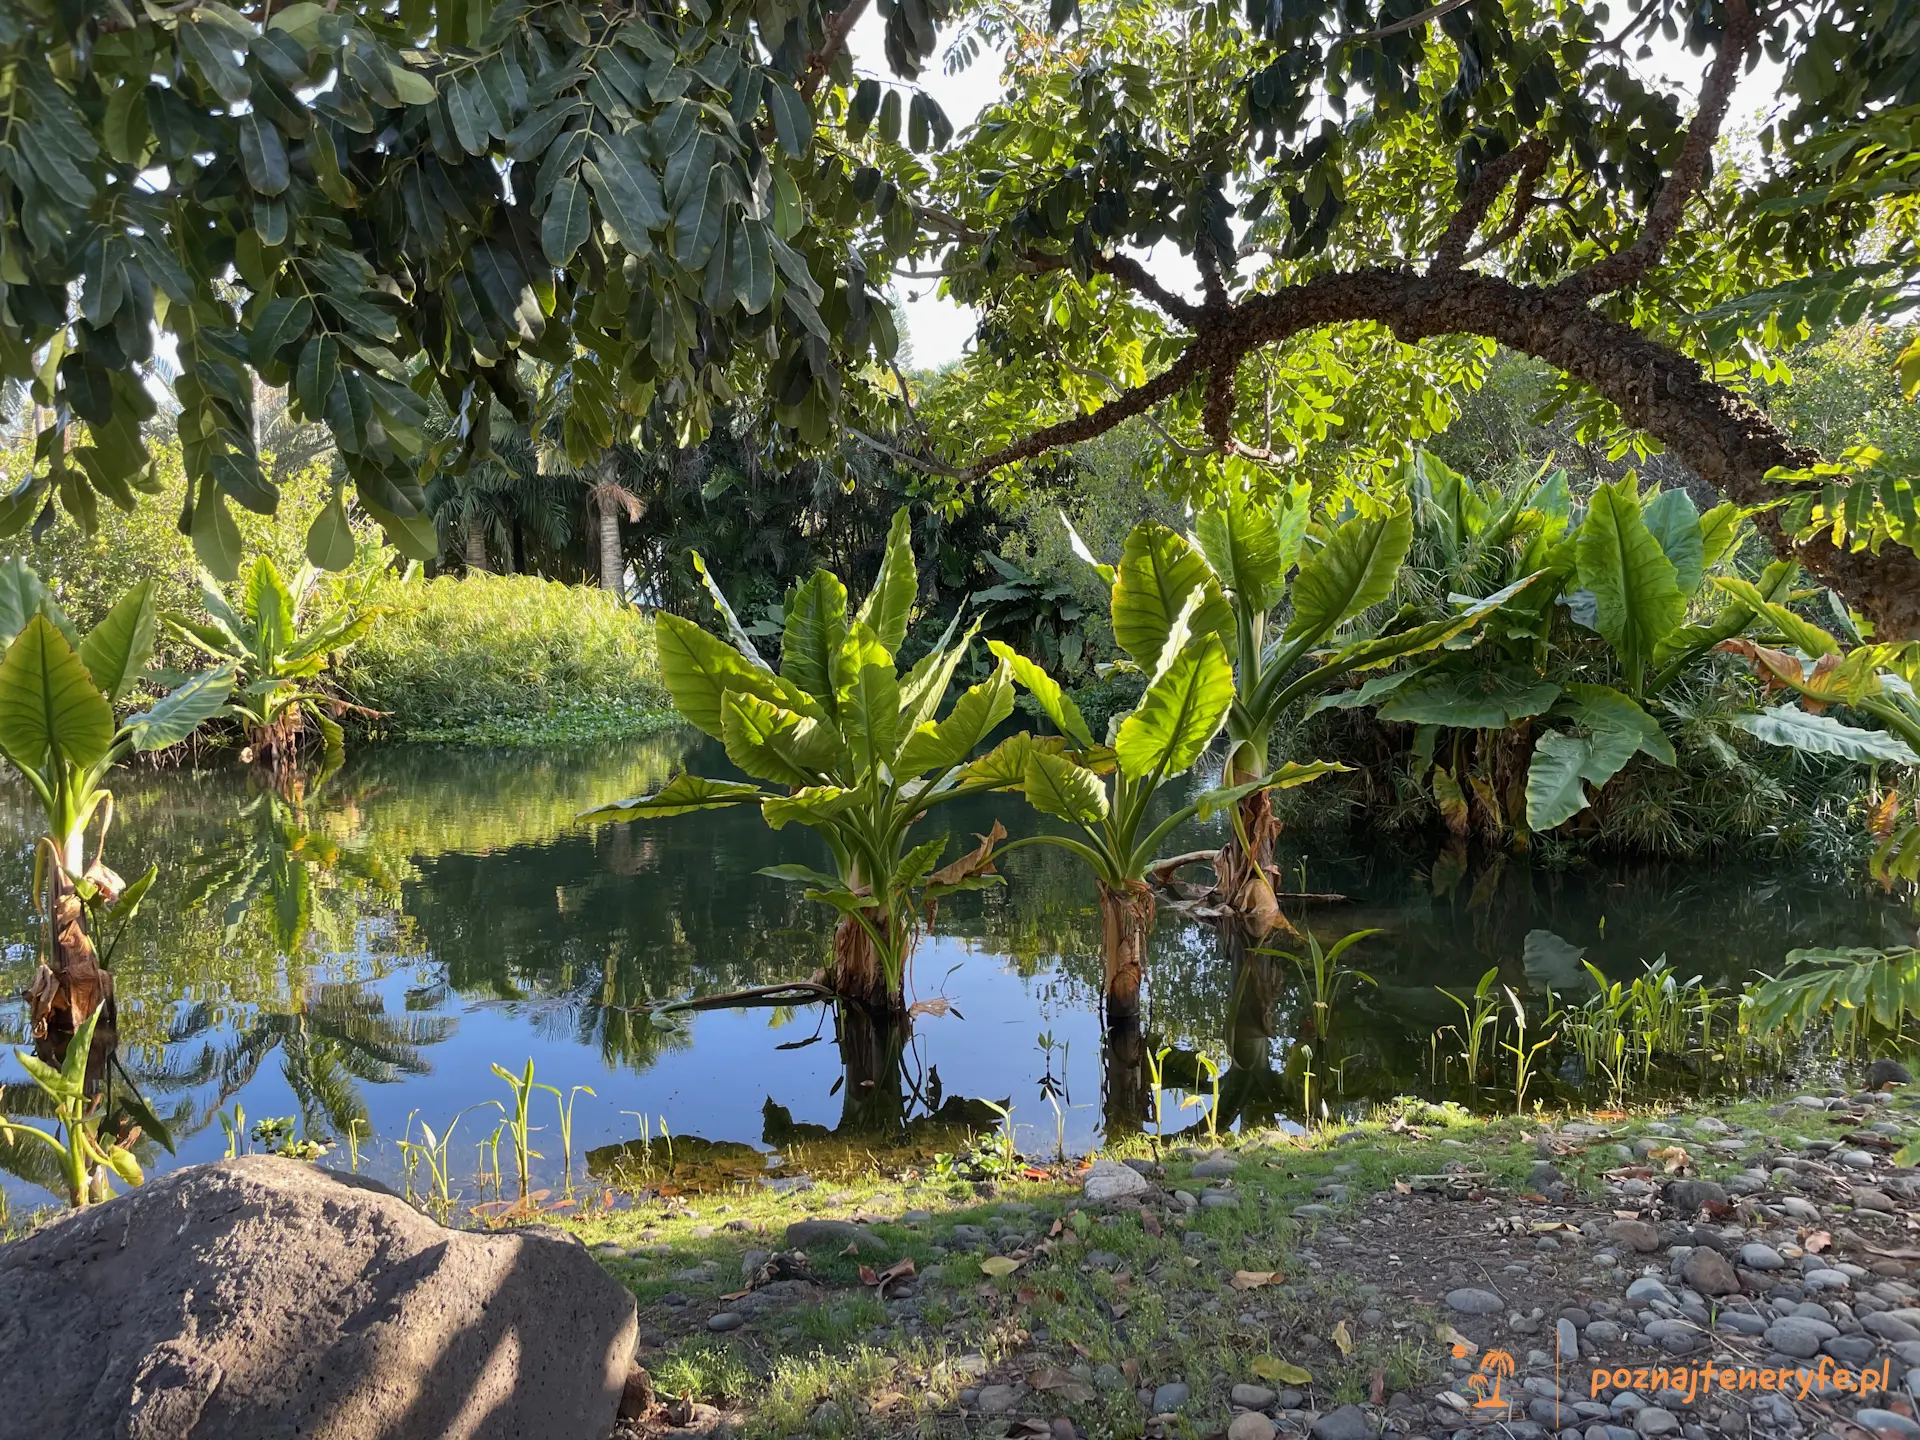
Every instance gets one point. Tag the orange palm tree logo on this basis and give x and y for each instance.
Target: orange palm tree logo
(1494, 1368)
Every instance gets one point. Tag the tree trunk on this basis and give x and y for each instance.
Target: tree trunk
(1126, 919)
(611, 561)
(1126, 1099)
(1244, 874)
(873, 1103)
(474, 533)
(859, 977)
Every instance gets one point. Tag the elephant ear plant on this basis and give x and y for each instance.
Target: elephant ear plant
(857, 750)
(279, 640)
(58, 728)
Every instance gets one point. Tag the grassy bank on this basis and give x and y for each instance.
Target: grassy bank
(507, 660)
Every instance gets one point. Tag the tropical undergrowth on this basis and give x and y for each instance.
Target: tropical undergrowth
(507, 660)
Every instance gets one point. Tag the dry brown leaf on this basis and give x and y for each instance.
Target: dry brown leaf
(1130, 1368)
(1082, 1351)
(1119, 1310)
(1626, 1214)
(1377, 1393)
(1254, 1279)
(1672, 1157)
(938, 1005)
(1400, 1187)
(1447, 1335)
(977, 861)
(1817, 1241)
(1150, 1223)
(1063, 1383)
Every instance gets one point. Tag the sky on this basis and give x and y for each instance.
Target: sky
(941, 331)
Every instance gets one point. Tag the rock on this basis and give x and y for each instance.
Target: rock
(1756, 1256)
(1250, 1425)
(1687, 1196)
(1107, 1182)
(1887, 1072)
(1170, 1397)
(1799, 1337)
(1604, 1332)
(997, 1399)
(1740, 1322)
(1708, 1272)
(1253, 1397)
(1219, 1200)
(1827, 1280)
(1856, 1159)
(1543, 1173)
(1889, 1327)
(1648, 1287)
(1854, 1350)
(1635, 1234)
(1888, 1424)
(263, 1297)
(1865, 1197)
(1215, 1169)
(916, 1217)
(726, 1320)
(1567, 1337)
(836, 1235)
(1472, 1302)
(1651, 1420)
(826, 1417)
(1349, 1422)
(636, 1395)
(1312, 1212)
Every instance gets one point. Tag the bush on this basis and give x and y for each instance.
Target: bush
(507, 660)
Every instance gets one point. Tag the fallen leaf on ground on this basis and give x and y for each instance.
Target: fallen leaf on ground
(884, 1402)
(1817, 1241)
(1082, 1351)
(1130, 1368)
(1626, 1214)
(1268, 1368)
(1378, 1392)
(1063, 1383)
(1150, 1223)
(1447, 1335)
(1031, 1427)
(998, 1265)
(1254, 1279)
(1400, 1187)
(1672, 1157)
(1056, 1228)
(1193, 1262)
(1024, 1296)
(1118, 1310)
(741, 1294)
(1342, 1338)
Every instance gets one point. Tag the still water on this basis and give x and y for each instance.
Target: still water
(362, 959)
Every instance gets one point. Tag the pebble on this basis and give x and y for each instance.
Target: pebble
(1635, 1234)
(1218, 1200)
(1170, 1397)
(1798, 1336)
(1568, 1338)
(1253, 1397)
(998, 1399)
(1471, 1302)
(1708, 1272)
(1220, 1169)
(916, 1217)
(1648, 1287)
(724, 1321)
(1756, 1256)
(1826, 1280)
(1106, 1182)
(1652, 1420)
(1890, 1424)
(1349, 1422)
(1856, 1160)
(1865, 1197)
(1250, 1425)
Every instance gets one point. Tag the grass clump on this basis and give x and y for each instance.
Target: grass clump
(507, 660)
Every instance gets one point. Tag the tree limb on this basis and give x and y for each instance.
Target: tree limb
(918, 462)
(839, 27)
(1688, 172)
(1412, 22)
(1136, 401)
(1196, 451)
(1528, 158)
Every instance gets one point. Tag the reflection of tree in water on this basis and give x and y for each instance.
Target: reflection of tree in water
(331, 1039)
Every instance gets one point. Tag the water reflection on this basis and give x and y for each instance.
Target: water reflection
(363, 951)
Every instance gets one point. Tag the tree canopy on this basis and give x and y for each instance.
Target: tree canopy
(629, 214)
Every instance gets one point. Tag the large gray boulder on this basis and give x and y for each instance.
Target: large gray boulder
(264, 1299)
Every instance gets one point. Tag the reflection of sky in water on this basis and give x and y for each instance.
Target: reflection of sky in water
(475, 919)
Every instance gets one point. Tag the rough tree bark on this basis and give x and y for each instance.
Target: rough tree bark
(859, 977)
(610, 563)
(474, 538)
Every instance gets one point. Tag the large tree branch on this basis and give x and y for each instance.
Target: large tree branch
(1526, 160)
(1726, 440)
(1689, 170)
(839, 27)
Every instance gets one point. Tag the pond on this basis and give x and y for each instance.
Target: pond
(361, 960)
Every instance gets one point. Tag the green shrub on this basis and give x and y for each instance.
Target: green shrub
(507, 660)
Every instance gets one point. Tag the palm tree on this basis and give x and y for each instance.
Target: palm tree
(609, 497)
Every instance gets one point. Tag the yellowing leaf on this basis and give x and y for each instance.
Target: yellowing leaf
(1342, 1338)
(999, 1265)
(1254, 1279)
(1447, 1335)
(1268, 1368)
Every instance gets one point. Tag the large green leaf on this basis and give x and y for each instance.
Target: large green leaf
(1005, 766)
(1682, 645)
(1674, 522)
(1158, 571)
(869, 714)
(182, 710)
(1354, 570)
(269, 605)
(1470, 699)
(815, 629)
(1055, 785)
(1286, 777)
(700, 670)
(926, 684)
(1721, 530)
(1555, 790)
(116, 651)
(736, 632)
(48, 702)
(1058, 705)
(1241, 541)
(812, 805)
(1180, 713)
(777, 744)
(1605, 711)
(1801, 633)
(22, 596)
(943, 744)
(889, 605)
(678, 796)
(1638, 600)
(1794, 729)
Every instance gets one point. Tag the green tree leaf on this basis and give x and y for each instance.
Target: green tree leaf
(869, 715)
(330, 543)
(22, 596)
(1675, 523)
(1555, 791)
(1055, 785)
(943, 744)
(700, 670)
(1241, 541)
(816, 628)
(1794, 729)
(1470, 700)
(1055, 702)
(776, 744)
(1158, 570)
(679, 796)
(889, 605)
(563, 229)
(182, 710)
